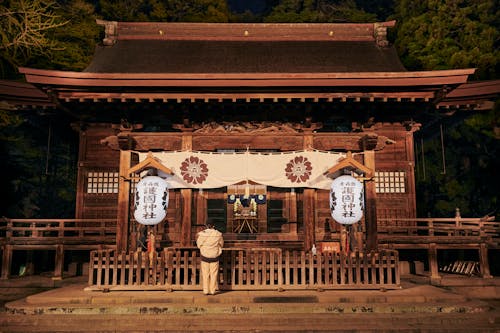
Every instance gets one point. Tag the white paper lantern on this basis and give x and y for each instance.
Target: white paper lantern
(346, 200)
(151, 200)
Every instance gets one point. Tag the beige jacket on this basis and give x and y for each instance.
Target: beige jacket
(210, 243)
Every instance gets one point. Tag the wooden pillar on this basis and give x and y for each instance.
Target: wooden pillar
(82, 173)
(59, 262)
(292, 217)
(309, 224)
(433, 263)
(122, 220)
(371, 204)
(6, 261)
(201, 208)
(410, 173)
(309, 200)
(484, 264)
(186, 195)
(30, 265)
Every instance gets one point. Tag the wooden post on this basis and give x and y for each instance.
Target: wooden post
(410, 172)
(122, 223)
(59, 262)
(371, 205)
(6, 261)
(292, 217)
(309, 199)
(201, 208)
(186, 195)
(308, 218)
(81, 177)
(30, 265)
(484, 265)
(433, 263)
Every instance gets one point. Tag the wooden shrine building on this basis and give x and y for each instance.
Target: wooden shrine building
(262, 115)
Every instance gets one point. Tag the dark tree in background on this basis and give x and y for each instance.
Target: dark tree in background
(461, 150)
(40, 151)
(318, 11)
(459, 169)
(447, 34)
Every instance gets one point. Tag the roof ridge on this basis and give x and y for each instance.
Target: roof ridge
(375, 32)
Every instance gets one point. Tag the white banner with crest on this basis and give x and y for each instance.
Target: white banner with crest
(212, 170)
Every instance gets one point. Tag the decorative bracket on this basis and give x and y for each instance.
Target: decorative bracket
(150, 162)
(350, 164)
(110, 31)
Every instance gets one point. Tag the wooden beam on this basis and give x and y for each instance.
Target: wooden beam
(433, 263)
(292, 217)
(201, 208)
(309, 225)
(6, 261)
(59, 262)
(484, 264)
(122, 219)
(186, 197)
(410, 173)
(371, 203)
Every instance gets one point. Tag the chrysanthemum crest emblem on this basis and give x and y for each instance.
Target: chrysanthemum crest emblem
(194, 170)
(298, 170)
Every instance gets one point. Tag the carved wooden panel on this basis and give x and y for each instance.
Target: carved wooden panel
(212, 142)
(143, 141)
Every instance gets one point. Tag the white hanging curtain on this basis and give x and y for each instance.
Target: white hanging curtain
(213, 170)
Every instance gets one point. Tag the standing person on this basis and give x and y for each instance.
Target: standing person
(210, 243)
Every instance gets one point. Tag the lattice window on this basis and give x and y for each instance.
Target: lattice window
(390, 181)
(102, 182)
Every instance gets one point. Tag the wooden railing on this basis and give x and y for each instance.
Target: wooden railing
(57, 231)
(283, 268)
(439, 230)
(99, 231)
(243, 269)
(53, 234)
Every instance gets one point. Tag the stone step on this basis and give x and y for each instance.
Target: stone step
(214, 307)
(281, 322)
(414, 308)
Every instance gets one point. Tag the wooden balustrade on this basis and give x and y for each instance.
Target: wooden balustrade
(58, 235)
(297, 269)
(56, 231)
(243, 269)
(439, 231)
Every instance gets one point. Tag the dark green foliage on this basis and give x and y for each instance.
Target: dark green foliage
(448, 34)
(467, 179)
(39, 176)
(318, 11)
(382, 8)
(76, 40)
(165, 11)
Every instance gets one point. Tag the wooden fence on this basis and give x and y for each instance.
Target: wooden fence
(244, 269)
